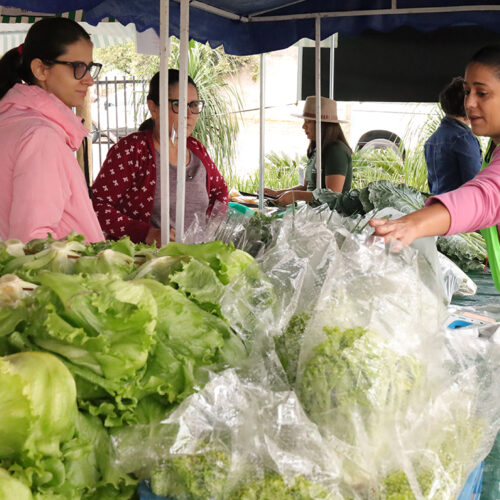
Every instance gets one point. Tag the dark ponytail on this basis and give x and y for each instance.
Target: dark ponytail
(10, 65)
(148, 124)
(154, 92)
(46, 40)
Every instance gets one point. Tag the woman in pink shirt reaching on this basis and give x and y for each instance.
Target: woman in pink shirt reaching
(476, 204)
(43, 189)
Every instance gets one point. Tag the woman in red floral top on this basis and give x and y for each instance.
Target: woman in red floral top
(126, 193)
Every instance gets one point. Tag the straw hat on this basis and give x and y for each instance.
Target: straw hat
(328, 110)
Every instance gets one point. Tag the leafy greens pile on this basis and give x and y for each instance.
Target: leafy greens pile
(318, 371)
(137, 330)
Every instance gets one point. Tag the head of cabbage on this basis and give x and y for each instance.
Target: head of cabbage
(13, 488)
(37, 404)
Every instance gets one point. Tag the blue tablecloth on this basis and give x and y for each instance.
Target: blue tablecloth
(472, 488)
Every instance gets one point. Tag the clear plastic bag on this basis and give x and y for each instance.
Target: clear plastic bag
(408, 403)
(233, 439)
(353, 387)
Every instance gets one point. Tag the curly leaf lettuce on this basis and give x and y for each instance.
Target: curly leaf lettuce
(200, 283)
(206, 475)
(351, 370)
(60, 256)
(89, 463)
(11, 487)
(289, 343)
(189, 339)
(273, 487)
(84, 469)
(195, 477)
(106, 262)
(225, 260)
(37, 404)
(104, 324)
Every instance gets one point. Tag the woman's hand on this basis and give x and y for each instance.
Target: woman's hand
(432, 220)
(272, 192)
(287, 198)
(402, 230)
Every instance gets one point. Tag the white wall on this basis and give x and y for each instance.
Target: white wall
(283, 131)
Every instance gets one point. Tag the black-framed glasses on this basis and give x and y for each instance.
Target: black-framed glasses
(79, 68)
(196, 107)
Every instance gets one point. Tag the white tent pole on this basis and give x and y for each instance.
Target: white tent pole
(333, 44)
(182, 136)
(164, 144)
(318, 101)
(262, 129)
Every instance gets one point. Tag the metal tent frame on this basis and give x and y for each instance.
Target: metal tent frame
(259, 26)
(182, 124)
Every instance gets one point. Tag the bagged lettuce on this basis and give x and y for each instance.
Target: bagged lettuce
(232, 439)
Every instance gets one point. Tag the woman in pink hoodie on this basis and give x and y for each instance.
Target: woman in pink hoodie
(476, 204)
(43, 189)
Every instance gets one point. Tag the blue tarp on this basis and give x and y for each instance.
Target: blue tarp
(250, 35)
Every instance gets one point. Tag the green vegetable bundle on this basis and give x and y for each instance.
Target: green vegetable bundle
(323, 372)
(49, 448)
(137, 330)
(233, 439)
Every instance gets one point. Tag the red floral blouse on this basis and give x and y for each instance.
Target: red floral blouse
(124, 190)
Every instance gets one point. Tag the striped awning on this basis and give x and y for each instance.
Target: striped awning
(15, 23)
(15, 15)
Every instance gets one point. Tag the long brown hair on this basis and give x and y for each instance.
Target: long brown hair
(330, 133)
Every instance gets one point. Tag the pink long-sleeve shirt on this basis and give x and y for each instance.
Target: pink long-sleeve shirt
(42, 187)
(476, 204)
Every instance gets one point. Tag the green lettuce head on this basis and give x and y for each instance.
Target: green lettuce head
(12, 488)
(37, 404)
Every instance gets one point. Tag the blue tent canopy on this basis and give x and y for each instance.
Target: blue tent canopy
(257, 26)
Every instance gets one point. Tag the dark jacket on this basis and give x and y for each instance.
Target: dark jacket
(453, 156)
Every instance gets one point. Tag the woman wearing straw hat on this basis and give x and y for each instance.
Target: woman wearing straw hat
(336, 160)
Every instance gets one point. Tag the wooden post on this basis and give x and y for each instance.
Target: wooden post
(85, 112)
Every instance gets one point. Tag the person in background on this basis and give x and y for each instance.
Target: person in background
(43, 189)
(476, 204)
(336, 155)
(452, 152)
(126, 192)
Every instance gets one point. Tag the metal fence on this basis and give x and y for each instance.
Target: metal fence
(118, 108)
